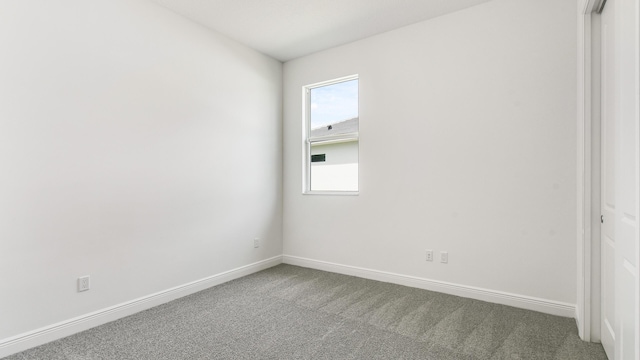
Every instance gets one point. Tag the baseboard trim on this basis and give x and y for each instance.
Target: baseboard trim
(65, 328)
(498, 297)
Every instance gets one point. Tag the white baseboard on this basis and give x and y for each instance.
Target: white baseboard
(498, 297)
(65, 328)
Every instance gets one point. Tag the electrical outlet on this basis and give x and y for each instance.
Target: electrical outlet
(429, 255)
(84, 283)
(256, 243)
(444, 257)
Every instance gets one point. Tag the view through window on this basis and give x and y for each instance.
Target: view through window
(332, 142)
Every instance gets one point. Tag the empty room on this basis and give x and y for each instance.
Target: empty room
(320, 179)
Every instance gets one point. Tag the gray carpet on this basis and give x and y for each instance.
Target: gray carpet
(289, 312)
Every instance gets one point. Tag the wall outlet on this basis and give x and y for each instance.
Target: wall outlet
(444, 257)
(84, 283)
(429, 255)
(256, 243)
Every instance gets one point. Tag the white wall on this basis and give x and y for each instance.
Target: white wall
(467, 144)
(128, 153)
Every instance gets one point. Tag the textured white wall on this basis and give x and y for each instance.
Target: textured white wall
(128, 152)
(467, 144)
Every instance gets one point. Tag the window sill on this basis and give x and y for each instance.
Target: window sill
(339, 193)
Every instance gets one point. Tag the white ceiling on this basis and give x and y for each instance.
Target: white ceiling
(287, 29)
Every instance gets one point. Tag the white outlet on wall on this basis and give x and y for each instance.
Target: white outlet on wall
(84, 283)
(256, 243)
(444, 257)
(429, 255)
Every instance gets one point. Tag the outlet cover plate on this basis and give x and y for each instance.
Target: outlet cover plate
(429, 255)
(84, 283)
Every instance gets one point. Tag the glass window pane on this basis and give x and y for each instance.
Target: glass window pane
(334, 109)
(338, 170)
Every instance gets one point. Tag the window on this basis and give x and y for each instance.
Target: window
(331, 132)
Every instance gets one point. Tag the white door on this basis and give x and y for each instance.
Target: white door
(627, 236)
(620, 186)
(608, 243)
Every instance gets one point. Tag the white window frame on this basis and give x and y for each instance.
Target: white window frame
(306, 135)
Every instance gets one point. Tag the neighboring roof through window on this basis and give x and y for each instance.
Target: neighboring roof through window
(338, 128)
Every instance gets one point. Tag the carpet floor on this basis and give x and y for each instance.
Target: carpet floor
(289, 312)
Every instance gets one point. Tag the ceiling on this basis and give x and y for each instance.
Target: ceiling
(287, 29)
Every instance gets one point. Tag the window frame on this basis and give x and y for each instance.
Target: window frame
(331, 139)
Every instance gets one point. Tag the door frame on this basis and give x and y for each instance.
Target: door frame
(588, 172)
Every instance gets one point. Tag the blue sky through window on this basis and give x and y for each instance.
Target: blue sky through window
(333, 103)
